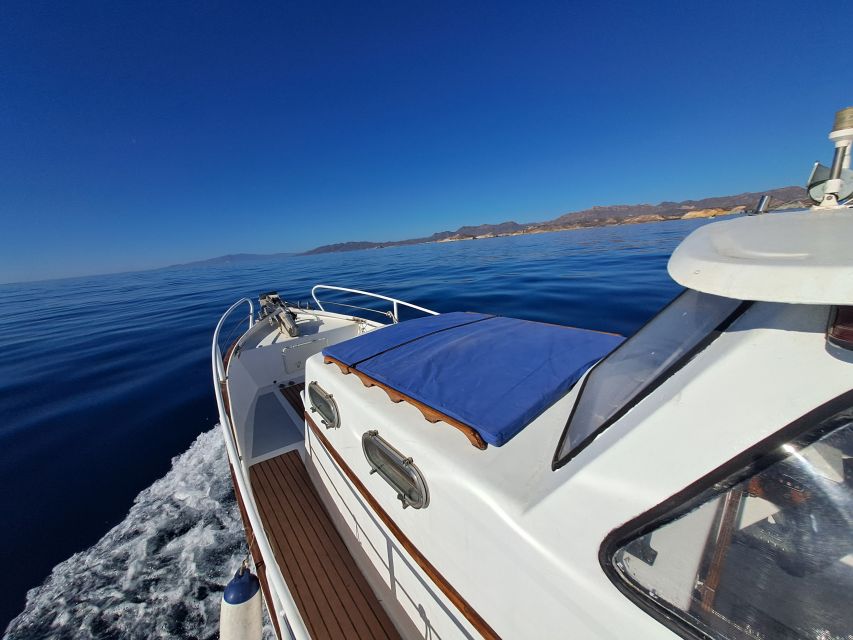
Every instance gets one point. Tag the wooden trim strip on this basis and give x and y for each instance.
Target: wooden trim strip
(431, 415)
(223, 387)
(428, 568)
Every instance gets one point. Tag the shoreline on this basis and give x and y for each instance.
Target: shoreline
(642, 219)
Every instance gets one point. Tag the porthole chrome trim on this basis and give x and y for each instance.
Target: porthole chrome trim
(405, 465)
(316, 396)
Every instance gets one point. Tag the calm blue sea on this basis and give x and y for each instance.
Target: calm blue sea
(118, 516)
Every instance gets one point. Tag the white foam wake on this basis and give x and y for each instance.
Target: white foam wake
(157, 574)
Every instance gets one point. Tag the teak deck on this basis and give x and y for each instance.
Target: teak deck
(291, 394)
(332, 595)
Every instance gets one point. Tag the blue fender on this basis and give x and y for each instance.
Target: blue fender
(242, 587)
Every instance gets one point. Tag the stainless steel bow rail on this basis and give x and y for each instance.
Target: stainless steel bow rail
(393, 314)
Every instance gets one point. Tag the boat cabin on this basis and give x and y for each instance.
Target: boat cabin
(465, 475)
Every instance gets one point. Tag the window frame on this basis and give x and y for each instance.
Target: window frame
(801, 433)
(557, 461)
(404, 463)
(334, 424)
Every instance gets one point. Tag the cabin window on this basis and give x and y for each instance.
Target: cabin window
(324, 404)
(765, 553)
(641, 363)
(396, 469)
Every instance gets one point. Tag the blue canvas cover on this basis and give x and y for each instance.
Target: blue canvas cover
(351, 352)
(494, 374)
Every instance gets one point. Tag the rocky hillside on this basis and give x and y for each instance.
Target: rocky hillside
(598, 217)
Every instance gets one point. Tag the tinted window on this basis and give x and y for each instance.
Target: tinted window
(765, 554)
(639, 364)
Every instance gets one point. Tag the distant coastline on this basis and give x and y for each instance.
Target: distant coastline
(614, 215)
(607, 216)
(783, 197)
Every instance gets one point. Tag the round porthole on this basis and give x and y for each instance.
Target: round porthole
(323, 404)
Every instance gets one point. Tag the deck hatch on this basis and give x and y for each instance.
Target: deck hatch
(396, 469)
(489, 377)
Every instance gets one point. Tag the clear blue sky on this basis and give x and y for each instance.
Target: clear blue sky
(135, 135)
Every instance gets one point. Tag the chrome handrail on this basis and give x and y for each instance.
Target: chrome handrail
(390, 314)
(293, 625)
(219, 366)
(395, 302)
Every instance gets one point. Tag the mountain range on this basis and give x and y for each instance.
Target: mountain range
(783, 197)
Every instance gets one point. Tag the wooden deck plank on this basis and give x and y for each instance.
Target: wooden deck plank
(291, 394)
(292, 560)
(312, 559)
(332, 595)
(353, 575)
(321, 564)
(345, 570)
(292, 574)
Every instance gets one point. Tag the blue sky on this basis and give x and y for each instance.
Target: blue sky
(135, 135)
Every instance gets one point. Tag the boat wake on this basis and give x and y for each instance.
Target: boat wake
(157, 574)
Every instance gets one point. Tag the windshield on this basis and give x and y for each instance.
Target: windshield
(641, 363)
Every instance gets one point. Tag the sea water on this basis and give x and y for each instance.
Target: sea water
(120, 521)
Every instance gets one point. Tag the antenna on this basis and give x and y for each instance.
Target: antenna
(842, 136)
(829, 186)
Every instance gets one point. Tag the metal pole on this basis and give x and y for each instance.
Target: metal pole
(837, 163)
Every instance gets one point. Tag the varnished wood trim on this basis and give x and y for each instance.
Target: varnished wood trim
(432, 573)
(729, 510)
(223, 387)
(431, 415)
(228, 354)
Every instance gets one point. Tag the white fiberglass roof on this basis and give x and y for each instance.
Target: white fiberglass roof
(801, 257)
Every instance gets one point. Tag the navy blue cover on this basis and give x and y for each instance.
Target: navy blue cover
(495, 374)
(356, 350)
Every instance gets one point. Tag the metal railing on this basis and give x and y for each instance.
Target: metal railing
(286, 610)
(393, 314)
(218, 365)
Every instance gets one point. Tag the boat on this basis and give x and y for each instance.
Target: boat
(403, 473)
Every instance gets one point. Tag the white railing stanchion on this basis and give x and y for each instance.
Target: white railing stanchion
(219, 367)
